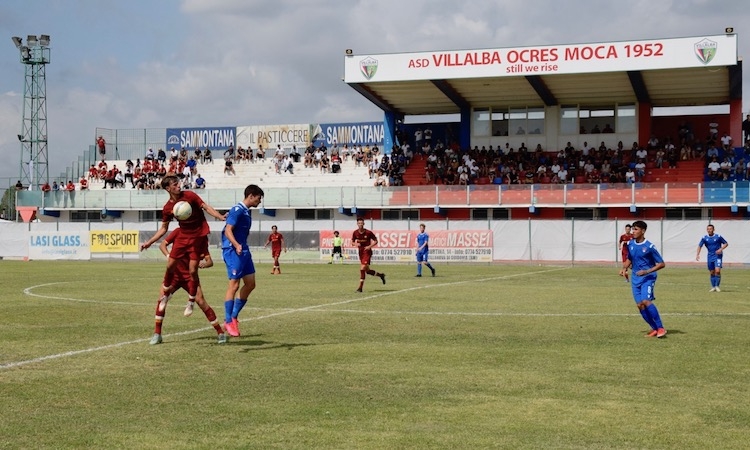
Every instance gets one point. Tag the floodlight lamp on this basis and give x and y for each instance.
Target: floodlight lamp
(349, 52)
(31, 40)
(44, 40)
(20, 138)
(729, 30)
(25, 53)
(17, 40)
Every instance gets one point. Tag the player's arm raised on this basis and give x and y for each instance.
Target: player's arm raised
(212, 212)
(161, 232)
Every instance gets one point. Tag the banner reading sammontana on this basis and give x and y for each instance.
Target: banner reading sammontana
(401, 246)
(114, 241)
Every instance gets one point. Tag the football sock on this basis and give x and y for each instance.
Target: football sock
(228, 308)
(238, 305)
(654, 313)
(429, 266)
(159, 318)
(419, 269)
(371, 272)
(647, 317)
(718, 280)
(211, 316)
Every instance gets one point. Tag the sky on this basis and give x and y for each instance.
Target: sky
(134, 64)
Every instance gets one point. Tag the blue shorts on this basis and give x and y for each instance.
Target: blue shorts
(714, 263)
(238, 266)
(644, 290)
(422, 255)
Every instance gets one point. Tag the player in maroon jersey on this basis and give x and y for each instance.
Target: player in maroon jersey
(192, 240)
(181, 280)
(277, 241)
(623, 244)
(365, 241)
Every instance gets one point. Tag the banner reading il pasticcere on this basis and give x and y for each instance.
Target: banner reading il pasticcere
(114, 241)
(401, 245)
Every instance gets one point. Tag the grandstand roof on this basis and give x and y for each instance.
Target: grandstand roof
(692, 71)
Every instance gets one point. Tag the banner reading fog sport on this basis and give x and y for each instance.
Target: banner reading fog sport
(114, 241)
(401, 246)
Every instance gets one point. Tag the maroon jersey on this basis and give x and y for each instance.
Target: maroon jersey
(363, 239)
(624, 238)
(275, 240)
(194, 226)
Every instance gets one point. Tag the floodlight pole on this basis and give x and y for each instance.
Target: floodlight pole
(35, 55)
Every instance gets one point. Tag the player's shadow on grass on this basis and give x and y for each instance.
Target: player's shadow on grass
(258, 344)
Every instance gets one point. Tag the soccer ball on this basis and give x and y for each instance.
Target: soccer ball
(182, 210)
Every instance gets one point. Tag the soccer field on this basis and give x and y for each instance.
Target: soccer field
(481, 356)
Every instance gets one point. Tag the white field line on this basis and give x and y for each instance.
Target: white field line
(28, 291)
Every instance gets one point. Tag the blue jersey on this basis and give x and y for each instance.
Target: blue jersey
(712, 244)
(239, 218)
(643, 257)
(422, 239)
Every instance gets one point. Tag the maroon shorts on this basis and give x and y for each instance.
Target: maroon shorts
(193, 247)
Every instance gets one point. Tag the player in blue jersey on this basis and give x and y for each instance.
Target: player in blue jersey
(423, 250)
(237, 257)
(715, 245)
(645, 260)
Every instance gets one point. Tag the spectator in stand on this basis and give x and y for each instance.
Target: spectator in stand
(93, 173)
(746, 129)
(161, 156)
(207, 156)
(653, 143)
(608, 129)
(660, 154)
(45, 187)
(714, 168)
(712, 153)
(83, 183)
(70, 187)
(640, 169)
(229, 168)
(596, 129)
(295, 154)
(101, 144)
(198, 156)
(150, 156)
(260, 155)
(55, 187)
(713, 130)
(200, 182)
(174, 155)
(630, 176)
(726, 169)
(381, 179)
(726, 141)
(335, 163)
(739, 170)
(288, 165)
(641, 153)
(119, 179)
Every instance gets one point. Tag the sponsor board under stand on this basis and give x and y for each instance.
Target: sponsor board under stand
(109, 241)
(58, 245)
(401, 246)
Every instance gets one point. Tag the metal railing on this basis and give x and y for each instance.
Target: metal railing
(474, 196)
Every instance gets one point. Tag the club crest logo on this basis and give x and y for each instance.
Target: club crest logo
(705, 50)
(368, 67)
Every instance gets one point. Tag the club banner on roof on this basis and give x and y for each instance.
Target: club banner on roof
(401, 246)
(58, 245)
(214, 138)
(114, 241)
(269, 136)
(351, 134)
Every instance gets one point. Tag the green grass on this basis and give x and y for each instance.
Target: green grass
(485, 356)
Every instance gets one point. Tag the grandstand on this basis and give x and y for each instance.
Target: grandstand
(264, 174)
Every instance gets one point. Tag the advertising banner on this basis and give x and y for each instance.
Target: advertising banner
(269, 136)
(401, 246)
(700, 51)
(214, 138)
(351, 134)
(59, 245)
(114, 241)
